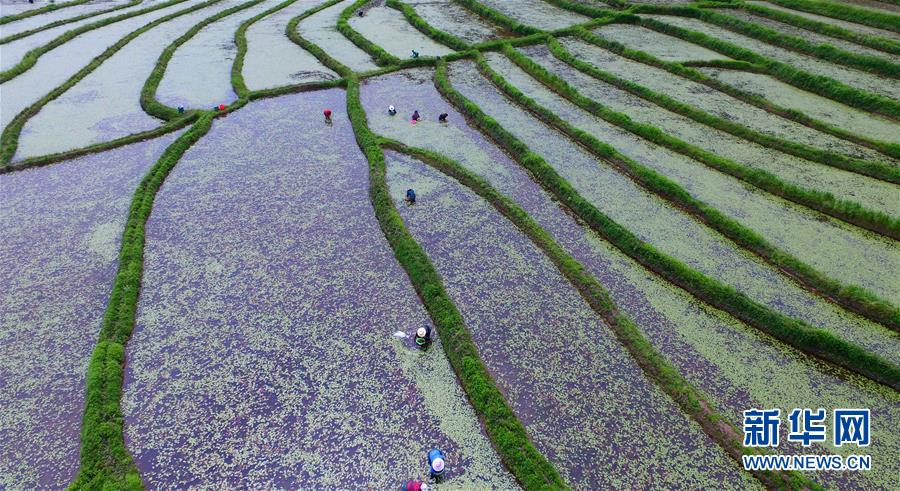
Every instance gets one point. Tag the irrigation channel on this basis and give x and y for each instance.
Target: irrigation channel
(633, 222)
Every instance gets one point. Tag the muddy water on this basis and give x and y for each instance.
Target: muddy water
(62, 227)
(273, 60)
(199, 73)
(11, 53)
(872, 193)
(56, 66)
(810, 36)
(526, 318)
(36, 21)
(834, 113)
(389, 29)
(707, 346)
(712, 101)
(659, 45)
(263, 354)
(855, 78)
(321, 29)
(668, 229)
(852, 26)
(449, 16)
(826, 243)
(537, 13)
(105, 105)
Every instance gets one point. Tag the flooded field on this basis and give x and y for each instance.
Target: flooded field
(106, 104)
(854, 78)
(62, 226)
(289, 353)
(272, 60)
(388, 29)
(809, 36)
(260, 273)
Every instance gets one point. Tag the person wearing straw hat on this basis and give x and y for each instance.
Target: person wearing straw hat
(423, 336)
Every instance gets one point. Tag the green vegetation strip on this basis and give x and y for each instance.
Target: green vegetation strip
(498, 18)
(50, 7)
(506, 432)
(149, 103)
(824, 86)
(240, 40)
(100, 147)
(381, 57)
(851, 297)
(877, 170)
(847, 211)
(581, 8)
(815, 341)
(424, 27)
(881, 20)
(652, 362)
(868, 63)
(9, 139)
(321, 55)
(31, 57)
(874, 42)
(69, 20)
(105, 462)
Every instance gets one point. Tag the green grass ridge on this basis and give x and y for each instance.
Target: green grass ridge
(105, 462)
(824, 86)
(31, 57)
(850, 297)
(379, 55)
(871, 18)
(50, 7)
(875, 169)
(691, 400)
(62, 22)
(424, 27)
(9, 139)
(498, 18)
(531, 469)
(875, 42)
(815, 341)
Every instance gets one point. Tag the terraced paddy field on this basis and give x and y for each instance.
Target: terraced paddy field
(623, 224)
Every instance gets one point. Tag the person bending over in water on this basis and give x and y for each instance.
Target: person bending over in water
(442, 118)
(415, 116)
(391, 110)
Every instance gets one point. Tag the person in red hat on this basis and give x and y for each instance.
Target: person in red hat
(327, 113)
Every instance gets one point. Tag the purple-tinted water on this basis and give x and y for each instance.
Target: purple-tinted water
(586, 404)
(264, 353)
(61, 228)
(736, 366)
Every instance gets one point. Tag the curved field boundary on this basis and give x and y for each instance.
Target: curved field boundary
(873, 64)
(881, 20)
(814, 341)
(319, 53)
(9, 139)
(41, 10)
(427, 29)
(850, 297)
(651, 361)
(32, 56)
(240, 40)
(63, 22)
(874, 42)
(847, 211)
(496, 17)
(380, 56)
(877, 170)
(105, 462)
(101, 147)
(581, 8)
(149, 102)
(824, 86)
(507, 433)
